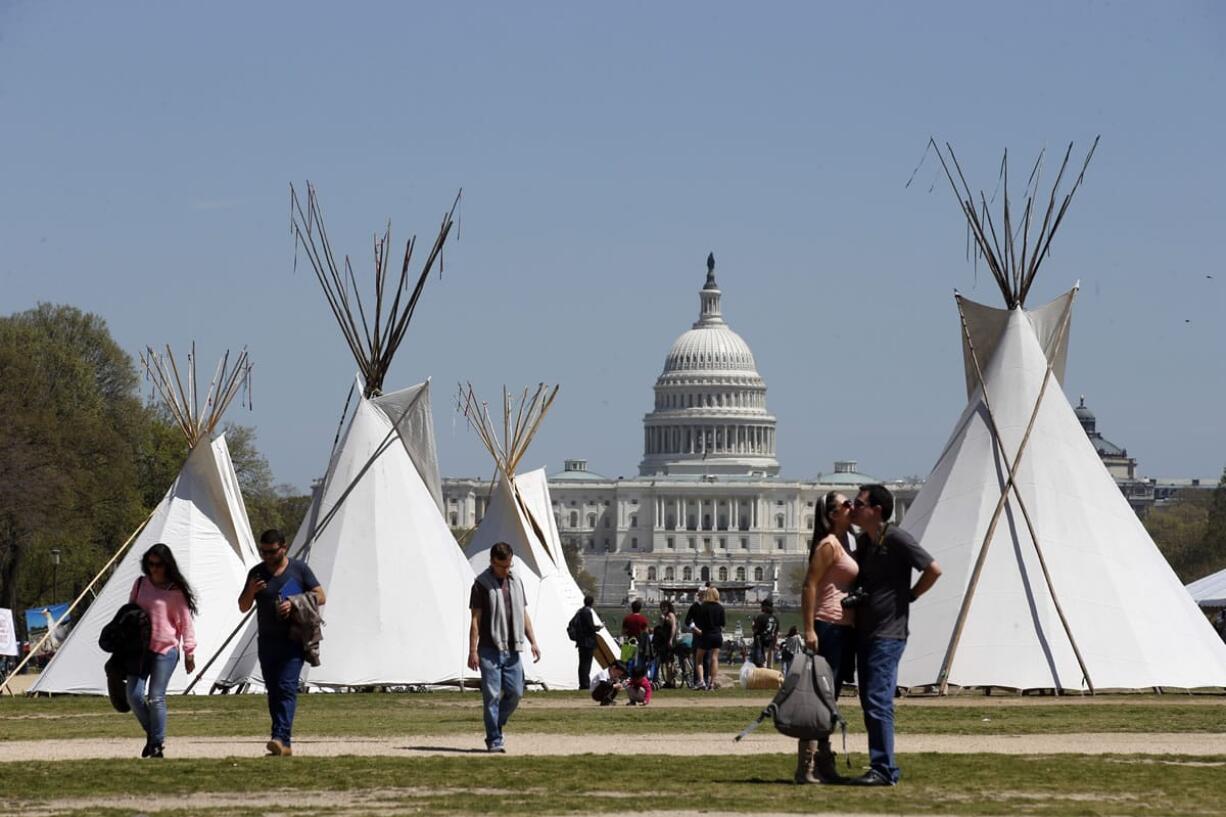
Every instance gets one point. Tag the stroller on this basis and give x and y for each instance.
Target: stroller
(683, 655)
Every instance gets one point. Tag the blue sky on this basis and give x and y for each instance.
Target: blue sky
(146, 152)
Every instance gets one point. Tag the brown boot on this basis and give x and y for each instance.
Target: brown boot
(825, 765)
(805, 750)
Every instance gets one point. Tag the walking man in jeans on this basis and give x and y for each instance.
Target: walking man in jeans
(886, 555)
(500, 623)
(270, 584)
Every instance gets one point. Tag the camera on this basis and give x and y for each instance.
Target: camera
(855, 598)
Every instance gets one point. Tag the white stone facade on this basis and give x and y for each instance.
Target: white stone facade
(663, 537)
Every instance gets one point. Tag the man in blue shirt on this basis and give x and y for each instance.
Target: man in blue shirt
(270, 585)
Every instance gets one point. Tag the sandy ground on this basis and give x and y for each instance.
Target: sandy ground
(374, 801)
(681, 745)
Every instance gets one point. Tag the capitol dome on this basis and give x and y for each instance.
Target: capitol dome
(710, 410)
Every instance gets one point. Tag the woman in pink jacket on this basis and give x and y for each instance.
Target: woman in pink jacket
(168, 599)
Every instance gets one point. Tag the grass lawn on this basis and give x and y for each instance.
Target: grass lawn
(621, 783)
(380, 714)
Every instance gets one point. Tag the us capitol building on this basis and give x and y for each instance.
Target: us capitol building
(708, 503)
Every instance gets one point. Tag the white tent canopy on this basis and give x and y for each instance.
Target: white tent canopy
(1209, 591)
(520, 513)
(1089, 580)
(397, 582)
(203, 521)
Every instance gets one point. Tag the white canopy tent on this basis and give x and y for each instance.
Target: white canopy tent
(202, 519)
(1209, 591)
(1050, 580)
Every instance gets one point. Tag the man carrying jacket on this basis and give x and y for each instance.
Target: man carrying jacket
(270, 586)
(500, 623)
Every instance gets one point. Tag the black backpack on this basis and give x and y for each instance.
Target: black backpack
(659, 636)
(574, 630)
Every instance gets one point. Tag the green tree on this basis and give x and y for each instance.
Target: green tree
(72, 436)
(574, 561)
(1191, 531)
(1211, 556)
(269, 505)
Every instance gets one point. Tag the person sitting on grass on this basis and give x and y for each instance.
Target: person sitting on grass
(638, 689)
(607, 683)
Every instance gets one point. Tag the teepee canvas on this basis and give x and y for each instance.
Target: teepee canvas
(520, 513)
(204, 522)
(397, 582)
(1045, 563)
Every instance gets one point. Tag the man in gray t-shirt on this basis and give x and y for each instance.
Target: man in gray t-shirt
(886, 556)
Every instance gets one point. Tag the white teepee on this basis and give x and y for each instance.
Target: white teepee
(396, 579)
(202, 519)
(1050, 580)
(397, 582)
(520, 513)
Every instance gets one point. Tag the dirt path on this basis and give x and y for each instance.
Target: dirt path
(669, 700)
(682, 745)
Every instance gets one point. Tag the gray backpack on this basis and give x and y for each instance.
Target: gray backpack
(804, 707)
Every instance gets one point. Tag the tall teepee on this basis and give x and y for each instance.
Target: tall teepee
(1050, 580)
(202, 519)
(397, 582)
(520, 513)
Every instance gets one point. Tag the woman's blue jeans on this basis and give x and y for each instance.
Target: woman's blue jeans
(149, 705)
(837, 644)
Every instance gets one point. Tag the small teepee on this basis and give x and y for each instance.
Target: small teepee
(1050, 580)
(202, 519)
(375, 537)
(520, 513)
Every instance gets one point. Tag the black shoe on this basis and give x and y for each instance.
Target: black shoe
(156, 750)
(870, 778)
(146, 751)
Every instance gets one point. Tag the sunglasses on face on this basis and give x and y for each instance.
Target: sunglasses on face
(271, 552)
(846, 503)
(859, 503)
(155, 563)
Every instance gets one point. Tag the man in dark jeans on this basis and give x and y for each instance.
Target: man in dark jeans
(269, 587)
(886, 555)
(585, 623)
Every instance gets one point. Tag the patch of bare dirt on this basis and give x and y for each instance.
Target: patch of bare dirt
(1203, 744)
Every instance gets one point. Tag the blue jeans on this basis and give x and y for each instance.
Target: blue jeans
(281, 664)
(837, 644)
(151, 710)
(878, 667)
(502, 685)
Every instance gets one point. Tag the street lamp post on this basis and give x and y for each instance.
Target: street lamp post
(55, 574)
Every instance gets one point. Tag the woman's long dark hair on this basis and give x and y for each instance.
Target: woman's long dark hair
(821, 522)
(173, 574)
